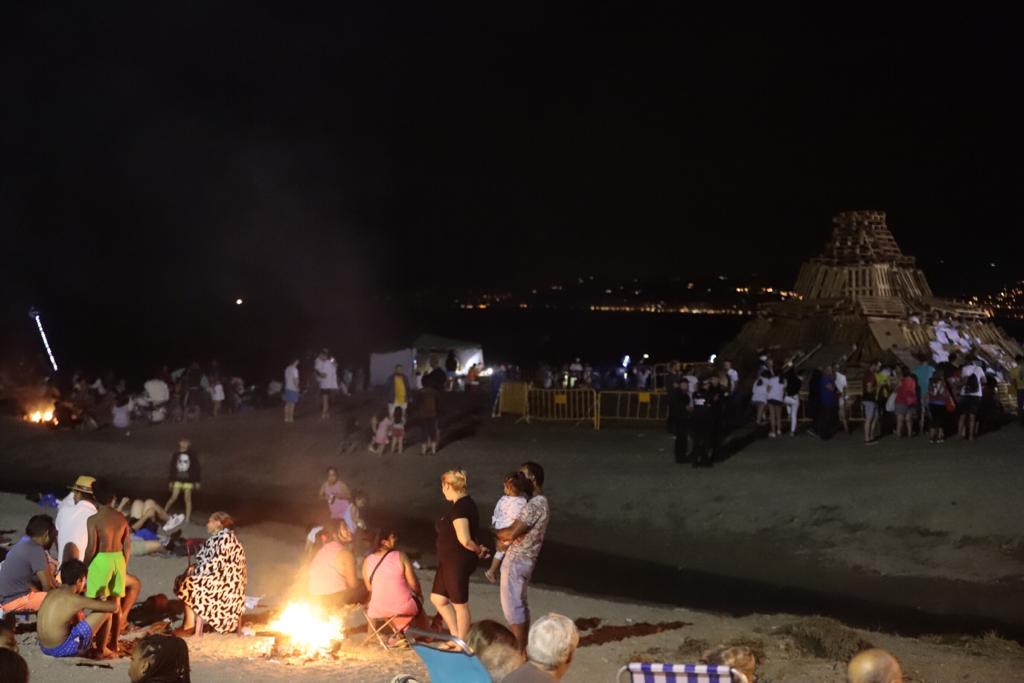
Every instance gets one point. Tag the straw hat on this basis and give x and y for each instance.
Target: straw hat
(83, 484)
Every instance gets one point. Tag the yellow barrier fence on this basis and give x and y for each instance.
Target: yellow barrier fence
(634, 406)
(513, 398)
(562, 405)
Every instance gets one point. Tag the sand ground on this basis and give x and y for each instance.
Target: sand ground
(904, 536)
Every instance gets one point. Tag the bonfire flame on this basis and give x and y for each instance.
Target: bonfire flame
(308, 629)
(41, 415)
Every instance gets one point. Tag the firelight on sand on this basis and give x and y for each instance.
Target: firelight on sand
(308, 629)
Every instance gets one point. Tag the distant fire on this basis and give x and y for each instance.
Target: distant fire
(307, 631)
(41, 415)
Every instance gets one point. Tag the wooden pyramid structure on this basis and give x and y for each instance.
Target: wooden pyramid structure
(862, 299)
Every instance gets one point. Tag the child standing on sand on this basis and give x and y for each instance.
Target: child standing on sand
(398, 431)
(381, 435)
(184, 476)
(506, 512)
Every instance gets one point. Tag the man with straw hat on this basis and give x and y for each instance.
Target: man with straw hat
(77, 507)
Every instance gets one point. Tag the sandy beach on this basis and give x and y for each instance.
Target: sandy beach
(903, 538)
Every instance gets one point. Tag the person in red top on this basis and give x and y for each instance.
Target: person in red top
(906, 402)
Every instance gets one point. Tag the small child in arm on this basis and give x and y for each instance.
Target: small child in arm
(506, 511)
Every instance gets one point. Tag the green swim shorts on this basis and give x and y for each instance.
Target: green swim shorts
(106, 576)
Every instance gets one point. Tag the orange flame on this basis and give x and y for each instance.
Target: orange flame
(41, 415)
(308, 628)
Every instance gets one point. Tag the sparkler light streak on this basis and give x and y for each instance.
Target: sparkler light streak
(34, 314)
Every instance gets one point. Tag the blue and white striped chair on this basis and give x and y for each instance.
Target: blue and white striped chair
(642, 672)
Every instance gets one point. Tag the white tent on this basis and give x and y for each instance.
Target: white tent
(416, 357)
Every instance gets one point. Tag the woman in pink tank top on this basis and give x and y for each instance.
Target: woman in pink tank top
(336, 494)
(391, 580)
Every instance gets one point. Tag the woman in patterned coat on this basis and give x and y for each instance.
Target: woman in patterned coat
(214, 586)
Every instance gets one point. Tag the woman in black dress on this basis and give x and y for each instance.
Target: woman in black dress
(458, 553)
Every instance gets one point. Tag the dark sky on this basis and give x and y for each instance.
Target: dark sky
(169, 155)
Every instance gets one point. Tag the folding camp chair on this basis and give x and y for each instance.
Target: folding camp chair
(642, 672)
(447, 665)
(385, 630)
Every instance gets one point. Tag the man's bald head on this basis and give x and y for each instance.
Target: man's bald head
(874, 666)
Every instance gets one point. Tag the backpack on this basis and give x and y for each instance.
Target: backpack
(971, 386)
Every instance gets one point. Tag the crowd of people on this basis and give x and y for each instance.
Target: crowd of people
(954, 398)
(73, 573)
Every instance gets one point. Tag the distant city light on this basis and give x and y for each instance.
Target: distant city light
(646, 356)
(238, 302)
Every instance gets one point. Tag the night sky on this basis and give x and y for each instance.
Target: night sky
(160, 161)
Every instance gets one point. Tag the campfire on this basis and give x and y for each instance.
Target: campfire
(41, 415)
(305, 630)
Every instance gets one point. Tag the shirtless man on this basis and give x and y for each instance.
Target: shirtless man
(107, 556)
(60, 625)
(874, 666)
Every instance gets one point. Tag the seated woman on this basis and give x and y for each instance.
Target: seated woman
(394, 589)
(332, 573)
(214, 587)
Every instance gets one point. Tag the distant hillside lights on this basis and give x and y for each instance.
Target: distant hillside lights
(687, 310)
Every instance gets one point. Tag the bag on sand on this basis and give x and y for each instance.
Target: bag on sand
(890, 403)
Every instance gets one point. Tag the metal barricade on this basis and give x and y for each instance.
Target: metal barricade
(632, 406)
(513, 398)
(562, 405)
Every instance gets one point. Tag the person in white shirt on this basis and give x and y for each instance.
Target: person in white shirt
(692, 380)
(776, 399)
(121, 412)
(841, 383)
(327, 377)
(291, 390)
(972, 379)
(734, 377)
(759, 396)
(72, 513)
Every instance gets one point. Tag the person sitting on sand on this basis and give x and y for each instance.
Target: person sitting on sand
(213, 588)
(740, 658)
(160, 659)
(8, 641)
(332, 573)
(184, 476)
(874, 666)
(107, 553)
(62, 630)
(72, 514)
(551, 645)
(26, 574)
(147, 514)
(496, 648)
(506, 512)
(13, 668)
